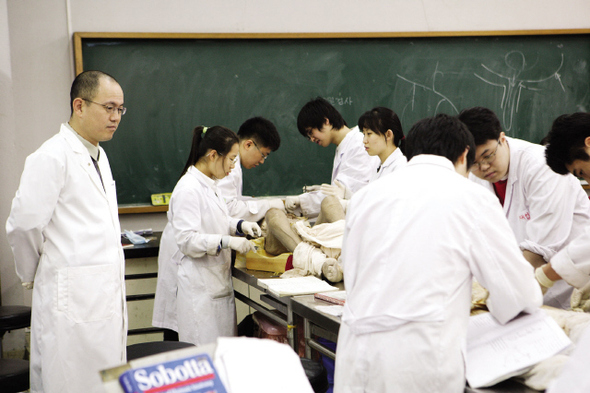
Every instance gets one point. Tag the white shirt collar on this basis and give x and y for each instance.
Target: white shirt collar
(348, 138)
(92, 150)
(432, 159)
(393, 157)
(201, 176)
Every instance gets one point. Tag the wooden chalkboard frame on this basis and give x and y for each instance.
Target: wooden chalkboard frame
(78, 38)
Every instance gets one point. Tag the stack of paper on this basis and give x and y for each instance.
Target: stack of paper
(295, 286)
(497, 352)
(338, 297)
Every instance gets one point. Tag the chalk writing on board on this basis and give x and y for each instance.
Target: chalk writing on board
(432, 88)
(514, 83)
(339, 100)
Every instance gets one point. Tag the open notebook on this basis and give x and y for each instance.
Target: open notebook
(497, 352)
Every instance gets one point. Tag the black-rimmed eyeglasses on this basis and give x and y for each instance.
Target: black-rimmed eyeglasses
(264, 156)
(486, 160)
(111, 109)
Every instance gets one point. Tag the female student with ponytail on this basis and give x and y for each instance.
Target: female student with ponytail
(194, 294)
(383, 137)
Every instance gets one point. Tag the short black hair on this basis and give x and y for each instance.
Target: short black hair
(262, 130)
(567, 141)
(314, 115)
(482, 123)
(441, 135)
(86, 84)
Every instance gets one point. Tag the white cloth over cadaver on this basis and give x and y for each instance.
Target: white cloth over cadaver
(542, 374)
(327, 236)
(575, 377)
(319, 242)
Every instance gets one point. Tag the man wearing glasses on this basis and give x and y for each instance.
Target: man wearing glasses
(65, 235)
(258, 138)
(545, 210)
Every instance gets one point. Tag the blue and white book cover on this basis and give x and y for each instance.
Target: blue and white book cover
(193, 374)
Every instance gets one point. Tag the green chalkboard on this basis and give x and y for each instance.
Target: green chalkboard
(172, 85)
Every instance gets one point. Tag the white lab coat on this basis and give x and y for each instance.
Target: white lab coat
(164, 312)
(65, 235)
(572, 263)
(395, 161)
(545, 210)
(409, 256)
(352, 167)
(198, 218)
(245, 208)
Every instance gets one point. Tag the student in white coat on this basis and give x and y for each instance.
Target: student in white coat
(545, 210)
(321, 123)
(65, 235)
(383, 137)
(258, 138)
(409, 257)
(198, 239)
(568, 151)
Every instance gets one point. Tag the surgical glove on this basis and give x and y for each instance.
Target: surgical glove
(543, 373)
(331, 270)
(135, 238)
(338, 190)
(27, 285)
(251, 229)
(291, 203)
(240, 244)
(311, 188)
(581, 298)
(543, 280)
(276, 204)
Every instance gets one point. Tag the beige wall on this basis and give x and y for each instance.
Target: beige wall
(36, 56)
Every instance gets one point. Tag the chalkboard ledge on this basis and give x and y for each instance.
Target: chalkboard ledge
(141, 208)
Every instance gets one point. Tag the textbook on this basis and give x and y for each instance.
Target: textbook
(497, 352)
(193, 374)
(336, 297)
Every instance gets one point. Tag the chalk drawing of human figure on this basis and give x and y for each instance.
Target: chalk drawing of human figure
(430, 88)
(513, 80)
